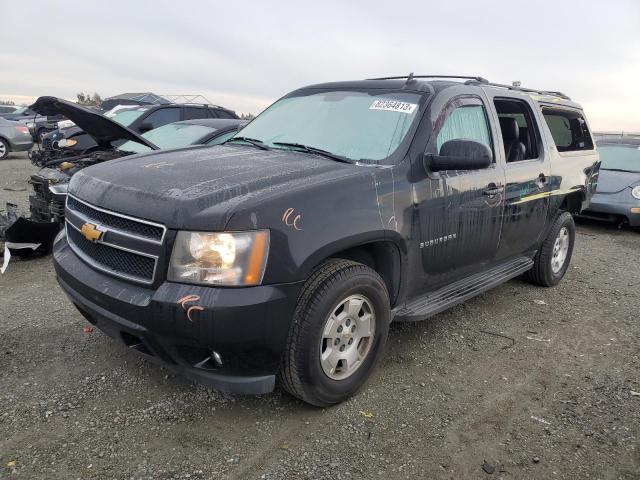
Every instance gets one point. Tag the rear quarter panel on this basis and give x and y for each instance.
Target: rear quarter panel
(572, 173)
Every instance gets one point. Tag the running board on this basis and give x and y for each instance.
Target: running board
(457, 292)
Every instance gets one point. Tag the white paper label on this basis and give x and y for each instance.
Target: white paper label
(393, 106)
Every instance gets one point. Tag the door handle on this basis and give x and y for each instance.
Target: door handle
(493, 191)
(542, 180)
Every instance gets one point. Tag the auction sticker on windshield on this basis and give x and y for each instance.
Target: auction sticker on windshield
(393, 106)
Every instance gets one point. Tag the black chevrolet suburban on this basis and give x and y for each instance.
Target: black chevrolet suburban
(286, 252)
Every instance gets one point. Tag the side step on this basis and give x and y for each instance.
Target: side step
(457, 292)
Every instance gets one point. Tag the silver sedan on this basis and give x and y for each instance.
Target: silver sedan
(14, 137)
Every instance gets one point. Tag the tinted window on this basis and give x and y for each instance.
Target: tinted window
(568, 129)
(193, 112)
(162, 117)
(223, 114)
(465, 123)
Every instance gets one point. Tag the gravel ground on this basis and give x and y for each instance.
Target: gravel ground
(554, 400)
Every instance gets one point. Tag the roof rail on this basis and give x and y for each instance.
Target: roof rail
(522, 89)
(411, 76)
(471, 80)
(203, 105)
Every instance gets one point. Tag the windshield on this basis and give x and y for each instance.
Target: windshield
(127, 117)
(20, 110)
(173, 135)
(359, 126)
(620, 157)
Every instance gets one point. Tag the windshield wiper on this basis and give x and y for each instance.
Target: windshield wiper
(618, 170)
(318, 151)
(253, 141)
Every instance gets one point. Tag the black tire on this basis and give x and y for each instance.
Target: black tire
(4, 149)
(301, 373)
(542, 272)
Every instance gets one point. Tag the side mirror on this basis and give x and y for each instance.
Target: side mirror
(459, 155)
(145, 127)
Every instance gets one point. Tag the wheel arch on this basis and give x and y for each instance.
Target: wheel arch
(381, 254)
(573, 202)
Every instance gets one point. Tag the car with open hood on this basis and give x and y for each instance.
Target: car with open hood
(141, 119)
(109, 140)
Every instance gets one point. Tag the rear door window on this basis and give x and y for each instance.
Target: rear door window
(191, 113)
(223, 114)
(568, 129)
(163, 116)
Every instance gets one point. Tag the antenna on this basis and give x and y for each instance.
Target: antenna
(409, 79)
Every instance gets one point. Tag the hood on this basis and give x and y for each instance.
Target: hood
(199, 188)
(102, 129)
(612, 181)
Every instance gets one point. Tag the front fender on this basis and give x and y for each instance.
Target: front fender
(309, 225)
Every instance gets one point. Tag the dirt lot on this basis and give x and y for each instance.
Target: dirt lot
(554, 402)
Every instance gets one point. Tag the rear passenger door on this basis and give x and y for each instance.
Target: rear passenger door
(527, 170)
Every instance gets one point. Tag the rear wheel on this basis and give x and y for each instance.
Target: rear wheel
(552, 260)
(339, 329)
(4, 149)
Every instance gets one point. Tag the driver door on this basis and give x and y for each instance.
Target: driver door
(462, 221)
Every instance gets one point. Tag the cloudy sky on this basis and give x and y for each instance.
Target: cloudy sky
(244, 55)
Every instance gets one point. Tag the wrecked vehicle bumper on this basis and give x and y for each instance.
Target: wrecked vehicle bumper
(230, 339)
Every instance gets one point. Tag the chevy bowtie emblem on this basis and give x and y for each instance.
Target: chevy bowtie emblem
(91, 232)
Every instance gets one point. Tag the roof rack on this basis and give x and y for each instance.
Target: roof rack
(474, 80)
(411, 76)
(522, 89)
(202, 105)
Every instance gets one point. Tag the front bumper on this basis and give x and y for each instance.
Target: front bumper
(611, 206)
(246, 327)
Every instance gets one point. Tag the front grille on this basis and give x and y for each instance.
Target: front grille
(132, 227)
(112, 259)
(127, 248)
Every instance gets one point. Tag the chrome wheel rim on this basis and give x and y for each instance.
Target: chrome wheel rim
(347, 337)
(560, 250)
(3, 149)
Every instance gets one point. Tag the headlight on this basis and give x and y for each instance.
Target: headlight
(635, 192)
(67, 142)
(229, 258)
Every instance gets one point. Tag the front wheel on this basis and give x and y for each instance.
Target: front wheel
(338, 333)
(552, 260)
